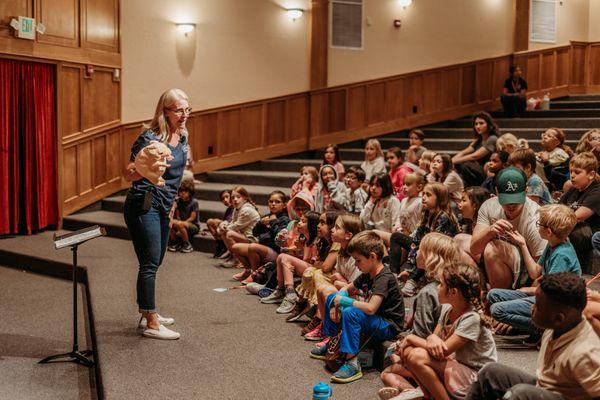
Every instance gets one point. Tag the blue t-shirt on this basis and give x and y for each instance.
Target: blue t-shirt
(561, 258)
(162, 197)
(537, 187)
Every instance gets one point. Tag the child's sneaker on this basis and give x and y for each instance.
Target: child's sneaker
(316, 321)
(316, 335)
(288, 303)
(409, 394)
(410, 288)
(318, 353)
(323, 342)
(275, 297)
(254, 288)
(187, 248)
(174, 247)
(265, 292)
(347, 373)
(301, 308)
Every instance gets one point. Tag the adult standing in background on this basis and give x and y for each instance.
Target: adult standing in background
(514, 93)
(148, 205)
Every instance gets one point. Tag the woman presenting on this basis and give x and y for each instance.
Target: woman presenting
(149, 202)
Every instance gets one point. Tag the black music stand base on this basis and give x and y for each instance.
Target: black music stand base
(77, 357)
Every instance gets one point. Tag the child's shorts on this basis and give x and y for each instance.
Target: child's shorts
(271, 256)
(458, 378)
(192, 229)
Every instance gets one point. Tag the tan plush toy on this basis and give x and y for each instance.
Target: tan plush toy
(151, 162)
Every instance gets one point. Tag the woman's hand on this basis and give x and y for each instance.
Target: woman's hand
(130, 173)
(436, 347)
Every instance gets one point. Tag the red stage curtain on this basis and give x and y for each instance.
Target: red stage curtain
(28, 194)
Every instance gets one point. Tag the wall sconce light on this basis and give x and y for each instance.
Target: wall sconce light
(295, 13)
(405, 3)
(186, 28)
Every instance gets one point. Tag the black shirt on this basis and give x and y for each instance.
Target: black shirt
(185, 209)
(513, 87)
(589, 198)
(384, 284)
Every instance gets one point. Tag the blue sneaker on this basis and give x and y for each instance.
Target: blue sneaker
(264, 292)
(347, 373)
(318, 353)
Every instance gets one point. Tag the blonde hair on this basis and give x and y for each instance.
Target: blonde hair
(159, 124)
(560, 218)
(413, 177)
(426, 159)
(438, 249)
(442, 196)
(375, 143)
(584, 142)
(586, 161)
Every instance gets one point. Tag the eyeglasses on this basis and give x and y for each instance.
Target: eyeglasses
(180, 111)
(537, 224)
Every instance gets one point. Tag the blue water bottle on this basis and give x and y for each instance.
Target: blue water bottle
(322, 391)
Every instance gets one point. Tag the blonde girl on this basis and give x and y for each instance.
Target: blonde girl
(344, 229)
(309, 178)
(425, 162)
(590, 141)
(445, 364)
(374, 161)
(239, 230)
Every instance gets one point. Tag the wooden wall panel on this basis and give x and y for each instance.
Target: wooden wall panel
(594, 65)
(532, 73)
(484, 76)
(252, 127)
(432, 84)
(113, 156)
(501, 72)
(548, 68)
(375, 103)
(69, 100)
(297, 122)
(451, 89)
(101, 100)
(413, 95)
(275, 130)
(206, 136)
(229, 132)
(10, 9)
(319, 104)
(99, 149)
(394, 98)
(69, 173)
(84, 167)
(578, 65)
(562, 67)
(357, 104)
(61, 18)
(101, 25)
(337, 111)
(468, 87)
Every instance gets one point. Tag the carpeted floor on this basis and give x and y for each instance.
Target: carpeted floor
(231, 347)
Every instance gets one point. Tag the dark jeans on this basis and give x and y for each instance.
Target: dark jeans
(512, 307)
(398, 241)
(498, 381)
(514, 106)
(149, 231)
(581, 239)
(471, 173)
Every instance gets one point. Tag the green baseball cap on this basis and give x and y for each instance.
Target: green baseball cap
(511, 184)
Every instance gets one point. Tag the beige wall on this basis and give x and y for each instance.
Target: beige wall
(572, 21)
(241, 50)
(594, 21)
(433, 33)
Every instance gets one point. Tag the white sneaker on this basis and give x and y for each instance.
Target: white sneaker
(162, 333)
(166, 321)
(254, 287)
(409, 394)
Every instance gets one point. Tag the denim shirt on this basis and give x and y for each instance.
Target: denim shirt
(162, 197)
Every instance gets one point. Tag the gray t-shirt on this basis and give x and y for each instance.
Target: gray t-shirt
(427, 310)
(480, 348)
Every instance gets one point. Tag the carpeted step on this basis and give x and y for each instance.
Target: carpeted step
(211, 190)
(252, 177)
(581, 104)
(583, 97)
(555, 113)
(288, 165)
(208, 209)
(115, 227)
(359, 154)
(506, 124)
(456, 143)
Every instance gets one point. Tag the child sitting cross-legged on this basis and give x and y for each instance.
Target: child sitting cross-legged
(445, 364)
(380, 316)
(356, 195)
(524, 159)
(382, 211)
(344, 229)
(309, 178)
(436, 250)
(186, 222)
(331, 193)
(410, 206)
(213, 223)
(513, 307)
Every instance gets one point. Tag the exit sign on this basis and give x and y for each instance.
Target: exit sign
(26, 29)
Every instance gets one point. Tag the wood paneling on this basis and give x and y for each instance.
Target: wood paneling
(578, 65)
(297, 113)
(69, 100)
(484, 76)
(101, 105)
(548, 70)
(521, 38)
(101, 24)
(375, 103)
(113, 155)
(533, 72)
(432, 84)
(252, 127)
(69, 173)
(61, 19)
(84, 167)
(337, 111)
(206, 134)
(594, 65)
(468, 87)
(413, 95)
(450, 91)
(229, 131)
(562, 67)
(394, 99)
(319, 112)
(275, 122)
(10, 9)
(357, 99)
(100, 160)
(501, 72)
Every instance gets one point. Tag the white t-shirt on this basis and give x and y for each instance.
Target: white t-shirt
(410, 213)
(491, 211)
(346, 266)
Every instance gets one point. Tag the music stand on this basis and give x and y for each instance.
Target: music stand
(73, 240)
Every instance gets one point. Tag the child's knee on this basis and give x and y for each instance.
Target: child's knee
(352, 313)
(417, 357)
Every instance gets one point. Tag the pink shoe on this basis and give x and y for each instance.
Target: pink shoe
(240, 276)
(316, 335)
(323, 342)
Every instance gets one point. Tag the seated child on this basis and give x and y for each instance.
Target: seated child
(331, 192)
(592, 310)
(498, 161)
(253, 255)
(416, 137)
(331, 156)
(239, 230)
(309, 178)
(442, 170)
(445, 364)
(509, 143)
(356, 195)
(425, 162)
(186, 222)
(213, 224)
(410, 206)
(555, 154)
(524, 159)
(380, 316)
(436, 250)
(374, 162)
(472, 198)
(345, 227)
(382, 211)
(568, 365)
(584, 198)
(397, 168)
(513, 307)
